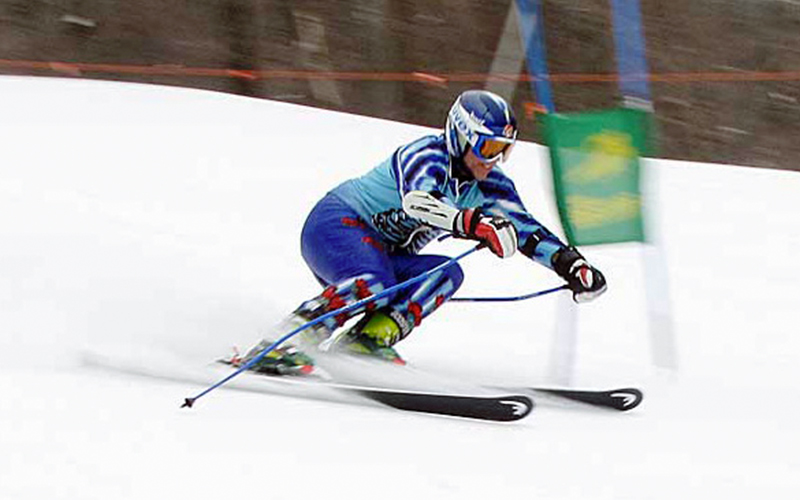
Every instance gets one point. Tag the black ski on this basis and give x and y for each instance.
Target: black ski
(623, 399)
(496, 408)
(507, 408)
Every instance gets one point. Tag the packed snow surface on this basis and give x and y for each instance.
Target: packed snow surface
(161, 225)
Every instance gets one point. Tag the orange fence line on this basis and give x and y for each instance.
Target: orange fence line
(415, 76)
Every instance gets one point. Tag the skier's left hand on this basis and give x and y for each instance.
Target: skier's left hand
(586, 282)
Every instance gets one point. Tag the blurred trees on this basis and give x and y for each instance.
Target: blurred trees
(725, 71)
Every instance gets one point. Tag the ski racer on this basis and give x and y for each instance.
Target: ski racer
(365, 235)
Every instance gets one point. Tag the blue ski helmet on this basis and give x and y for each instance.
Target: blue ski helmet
(482, 121)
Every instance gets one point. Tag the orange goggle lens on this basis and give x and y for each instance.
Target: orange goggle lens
(492, 148)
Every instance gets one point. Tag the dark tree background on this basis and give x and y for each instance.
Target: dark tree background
(726, 71)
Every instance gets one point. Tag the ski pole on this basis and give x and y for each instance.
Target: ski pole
(188, 402)
(510, 299)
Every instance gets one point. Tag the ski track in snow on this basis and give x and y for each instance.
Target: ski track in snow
(163, 223)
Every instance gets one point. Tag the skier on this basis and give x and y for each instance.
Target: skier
(365, 236)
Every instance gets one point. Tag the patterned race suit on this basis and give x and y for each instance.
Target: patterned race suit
(358, 240)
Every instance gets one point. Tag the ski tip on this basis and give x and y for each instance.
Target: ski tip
(626, 399)
(623, 399)
(188, 403)
(519, 407)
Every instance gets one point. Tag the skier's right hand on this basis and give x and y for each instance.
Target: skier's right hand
(498, 233)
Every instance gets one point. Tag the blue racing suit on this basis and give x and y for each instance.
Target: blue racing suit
(358, 240)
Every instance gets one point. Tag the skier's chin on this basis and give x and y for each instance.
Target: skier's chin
(481, 174)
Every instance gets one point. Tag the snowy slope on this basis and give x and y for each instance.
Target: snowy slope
(164, 223)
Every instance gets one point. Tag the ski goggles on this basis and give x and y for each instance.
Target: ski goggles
(491, 149)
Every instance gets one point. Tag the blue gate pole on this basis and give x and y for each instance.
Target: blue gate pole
(532, 30)
(634, 83)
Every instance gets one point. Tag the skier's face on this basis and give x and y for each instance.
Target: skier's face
(478, 168)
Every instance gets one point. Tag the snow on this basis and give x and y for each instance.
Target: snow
(164, 223)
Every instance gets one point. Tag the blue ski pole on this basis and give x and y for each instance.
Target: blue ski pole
(510, 299)
(188, 402)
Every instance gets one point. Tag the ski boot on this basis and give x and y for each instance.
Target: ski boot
(288, 358)
(375, 334)
(285, 359)
(310, 338)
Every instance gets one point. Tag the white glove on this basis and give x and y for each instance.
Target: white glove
(498, 233)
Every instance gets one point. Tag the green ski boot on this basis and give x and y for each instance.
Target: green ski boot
(375, 335)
